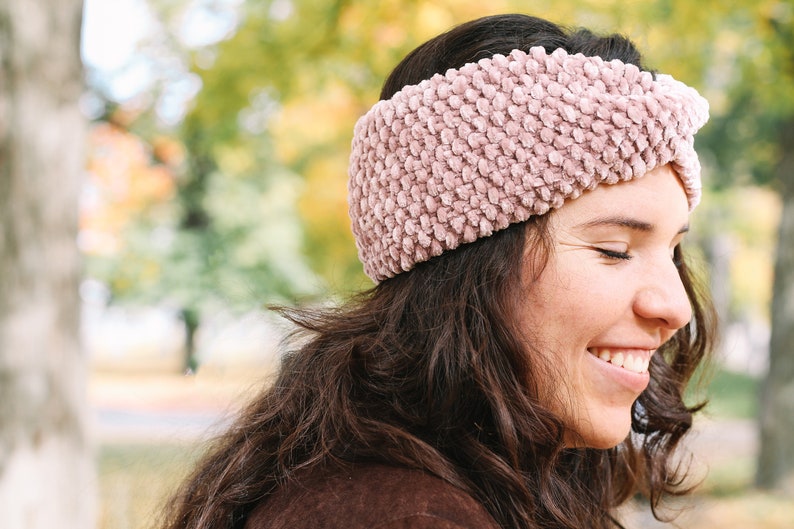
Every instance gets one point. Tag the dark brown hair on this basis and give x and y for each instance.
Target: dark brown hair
(428, 371)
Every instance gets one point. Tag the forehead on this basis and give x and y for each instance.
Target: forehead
(656, 197)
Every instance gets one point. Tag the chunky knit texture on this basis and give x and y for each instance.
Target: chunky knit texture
(464, 154)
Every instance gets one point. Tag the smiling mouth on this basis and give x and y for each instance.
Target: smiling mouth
(636, 361)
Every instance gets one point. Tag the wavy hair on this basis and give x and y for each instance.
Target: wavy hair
(427, 370)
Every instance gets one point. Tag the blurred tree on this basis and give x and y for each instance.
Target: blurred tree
(262, 184)
(749, 56)
(123, 183)
(301, 72)
(201, 250)
(769, 82)
(295, 72)
(46, 471)
(231, 236)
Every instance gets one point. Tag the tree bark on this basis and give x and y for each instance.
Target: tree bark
(776, 459)
(46, 464)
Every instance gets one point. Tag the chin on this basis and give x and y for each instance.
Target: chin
(606, 444)
(600, 443)
(603, 438)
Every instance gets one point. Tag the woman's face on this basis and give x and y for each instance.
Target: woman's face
(608, 298)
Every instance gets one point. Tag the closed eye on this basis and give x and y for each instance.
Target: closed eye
(612, 254)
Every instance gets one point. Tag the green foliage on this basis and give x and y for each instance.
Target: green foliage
(740, 55)
(315, 70)
(291, 72)
(733, 396)
(268, 134)
(755, 74)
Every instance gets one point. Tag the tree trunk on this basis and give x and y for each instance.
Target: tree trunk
(776, 459)
(46, 464)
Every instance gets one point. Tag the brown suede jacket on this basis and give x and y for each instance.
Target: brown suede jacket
(370, 497)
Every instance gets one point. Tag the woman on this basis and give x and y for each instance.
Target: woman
(519, 195)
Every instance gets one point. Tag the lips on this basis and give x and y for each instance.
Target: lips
(634, 360)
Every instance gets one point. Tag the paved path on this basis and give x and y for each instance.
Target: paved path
(154, 408)
(159, 407)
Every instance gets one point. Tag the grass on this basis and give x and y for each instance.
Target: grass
(730, 395)
(733, 395)
(730, 478)
(137, 479)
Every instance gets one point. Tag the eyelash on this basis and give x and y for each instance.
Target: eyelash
(623, 256)
(611, 254)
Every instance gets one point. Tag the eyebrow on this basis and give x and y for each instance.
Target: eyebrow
(625, 222)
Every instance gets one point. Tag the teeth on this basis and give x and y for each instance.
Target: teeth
(617, 359)
(629, 364)
(635, 364)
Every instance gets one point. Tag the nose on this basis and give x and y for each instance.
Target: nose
(662, 298)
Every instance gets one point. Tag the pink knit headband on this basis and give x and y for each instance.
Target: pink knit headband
(461, 155)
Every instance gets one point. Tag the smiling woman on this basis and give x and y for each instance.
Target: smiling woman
(519, 195)
(609, 297)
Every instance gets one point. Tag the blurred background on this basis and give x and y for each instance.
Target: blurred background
(214, 184)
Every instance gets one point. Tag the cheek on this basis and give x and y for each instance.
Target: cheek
(572, 300)
(595, 292)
